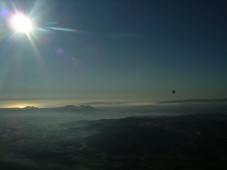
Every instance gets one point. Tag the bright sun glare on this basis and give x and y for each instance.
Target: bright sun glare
(21, 23)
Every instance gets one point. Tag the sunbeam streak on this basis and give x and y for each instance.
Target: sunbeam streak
(64, 29)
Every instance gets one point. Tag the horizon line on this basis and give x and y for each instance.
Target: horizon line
(112, 103)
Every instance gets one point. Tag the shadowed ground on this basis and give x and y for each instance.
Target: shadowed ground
(51, 141)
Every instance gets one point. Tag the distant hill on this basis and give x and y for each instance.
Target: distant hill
(30, 108)
(76, 108)
(66, 108)
(196, 101)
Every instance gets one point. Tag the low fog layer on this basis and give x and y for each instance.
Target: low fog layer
(86, 138)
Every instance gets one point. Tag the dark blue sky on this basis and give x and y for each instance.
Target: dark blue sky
(122, 49)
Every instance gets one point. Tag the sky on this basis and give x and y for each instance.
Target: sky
(114, 49)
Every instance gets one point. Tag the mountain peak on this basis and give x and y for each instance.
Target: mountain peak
(73, 107)
(30, 107)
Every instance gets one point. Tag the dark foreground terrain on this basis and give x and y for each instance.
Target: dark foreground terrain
(189, 142)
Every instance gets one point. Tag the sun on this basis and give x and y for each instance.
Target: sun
(20, 23)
